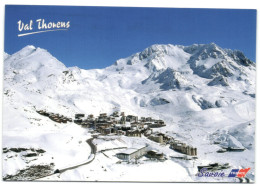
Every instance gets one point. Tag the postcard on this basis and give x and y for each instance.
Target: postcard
(129, 94)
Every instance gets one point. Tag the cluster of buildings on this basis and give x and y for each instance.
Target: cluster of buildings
(54, 117)
(128, 125)
(119, 124)
(174, 144)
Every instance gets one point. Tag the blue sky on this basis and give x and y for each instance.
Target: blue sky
(98, 36)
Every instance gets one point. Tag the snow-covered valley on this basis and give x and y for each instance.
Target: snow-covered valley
(205, 95)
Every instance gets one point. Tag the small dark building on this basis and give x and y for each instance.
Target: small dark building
(131, 118)
(78, 121)
(78, 116)
(154, 154)
(133, 133)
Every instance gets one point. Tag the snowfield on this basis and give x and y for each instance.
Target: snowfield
(205, 94)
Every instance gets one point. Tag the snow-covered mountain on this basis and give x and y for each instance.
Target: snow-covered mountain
(200, 91)
(6, 55)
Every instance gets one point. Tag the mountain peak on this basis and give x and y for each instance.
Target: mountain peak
(31, 59)
(212, 44)
(28, 48)
(26, 51)
(153, 50)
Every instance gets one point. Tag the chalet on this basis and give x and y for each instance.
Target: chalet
(131, 118)
(103, 115)
(107, 131)
(115, 114)
(111, 118)
(126, 127)
(147, 132)
(118, 126)
(78, 116)
(132, 153)
(142, 125)
(154, 154)
(103, 130)
(135, 124)
(86, 124)
(103, 124)
(149, 119)
(42, 112)
(120, 132)
(46, 114)
(133, 133)
(78, 121)
(56, 119)
(101, 120)
(64, 120)
(142, 119)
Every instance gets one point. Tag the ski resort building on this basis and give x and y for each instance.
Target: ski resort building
(133, 133)
(78, 116)
(156, 138)
(183, 148)
(132, 153)
(155, 154)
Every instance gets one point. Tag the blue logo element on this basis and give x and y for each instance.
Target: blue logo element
(233, 173)
(205, 173)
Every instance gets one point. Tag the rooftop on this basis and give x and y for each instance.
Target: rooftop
(129, 151)
(132, 150)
